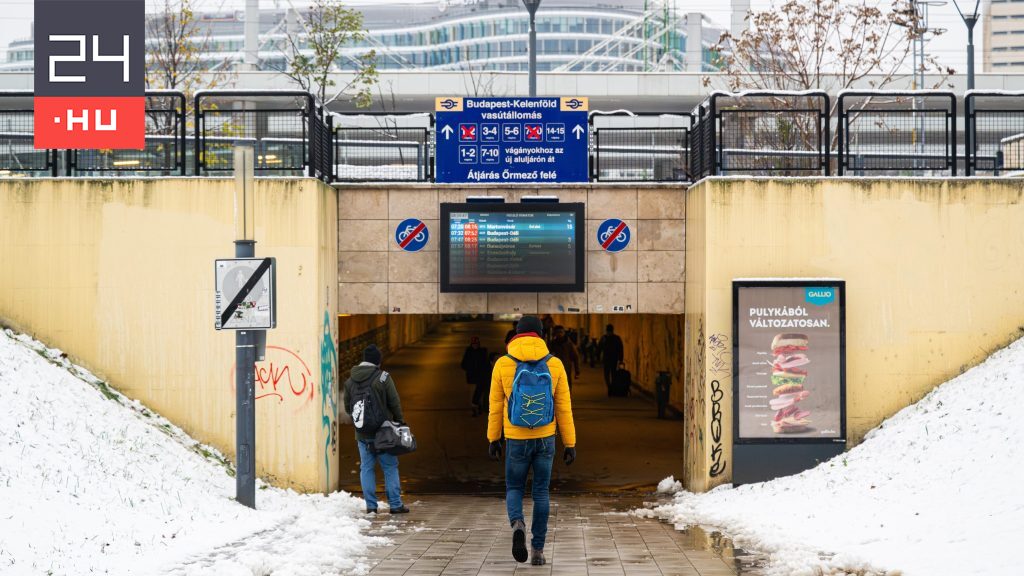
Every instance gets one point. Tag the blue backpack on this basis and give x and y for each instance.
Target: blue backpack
(531, 403)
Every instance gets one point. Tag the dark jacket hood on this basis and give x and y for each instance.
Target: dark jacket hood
(361, 372)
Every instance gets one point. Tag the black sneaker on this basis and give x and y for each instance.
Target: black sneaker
(519, 541)
(371, 510)
(537, 558)
(400, 510)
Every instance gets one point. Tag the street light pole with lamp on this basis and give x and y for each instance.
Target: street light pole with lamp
(531, 7)
(970, 20)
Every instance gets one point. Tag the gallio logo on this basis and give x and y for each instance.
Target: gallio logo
(820, 295)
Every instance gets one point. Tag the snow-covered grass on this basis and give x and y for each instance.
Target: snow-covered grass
(934, 490)
(92, 482)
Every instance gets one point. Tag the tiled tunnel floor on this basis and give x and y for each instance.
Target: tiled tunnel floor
(592, 535)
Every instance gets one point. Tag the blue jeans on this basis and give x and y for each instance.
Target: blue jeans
(523, 455)
(368, 475)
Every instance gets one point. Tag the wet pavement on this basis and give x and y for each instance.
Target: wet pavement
(458, 524)
(592, 535)
(620, 442)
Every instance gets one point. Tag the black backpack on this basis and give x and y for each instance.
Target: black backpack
(367, 408)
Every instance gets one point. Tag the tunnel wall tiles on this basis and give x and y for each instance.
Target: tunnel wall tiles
(376, 276)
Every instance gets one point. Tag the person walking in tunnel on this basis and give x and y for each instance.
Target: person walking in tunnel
(511, 333)
(477, 367)
(563, 349)
(612, 354)
(371, 398)
(529, 401)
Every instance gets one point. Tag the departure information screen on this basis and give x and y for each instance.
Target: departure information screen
(512, 248)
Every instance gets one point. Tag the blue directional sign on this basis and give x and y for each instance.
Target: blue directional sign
(505, 140)
(411, 235)
(613, 235)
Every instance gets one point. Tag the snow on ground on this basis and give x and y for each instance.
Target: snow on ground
(669, 485)
(94, 483)
(935, 490)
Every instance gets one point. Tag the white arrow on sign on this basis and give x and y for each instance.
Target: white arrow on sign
(447, 131)
(578, 131)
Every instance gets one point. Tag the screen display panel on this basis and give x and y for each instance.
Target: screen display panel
(512, 247)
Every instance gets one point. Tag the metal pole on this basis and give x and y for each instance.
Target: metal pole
(531, 7)
(251, 46)
(245, 402)
(533, 54)
(245, 340)
(970, 21)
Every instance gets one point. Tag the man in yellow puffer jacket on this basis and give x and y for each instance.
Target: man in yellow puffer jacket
(529, 447)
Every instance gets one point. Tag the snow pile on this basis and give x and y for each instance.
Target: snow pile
(669, 485)
(94, 483)
(932, 491)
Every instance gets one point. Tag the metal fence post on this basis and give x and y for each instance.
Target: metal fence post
(197, 147)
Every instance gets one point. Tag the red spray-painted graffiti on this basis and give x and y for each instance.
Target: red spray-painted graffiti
(282, 375)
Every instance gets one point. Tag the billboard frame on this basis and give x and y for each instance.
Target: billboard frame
(737, 285)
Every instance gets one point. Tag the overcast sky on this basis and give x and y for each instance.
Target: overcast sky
(950, 48)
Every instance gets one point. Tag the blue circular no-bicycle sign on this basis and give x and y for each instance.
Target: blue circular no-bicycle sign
(613, 235)
(412, 235)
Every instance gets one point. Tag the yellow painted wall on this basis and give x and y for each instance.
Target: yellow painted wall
(119, 274)
(933, 275)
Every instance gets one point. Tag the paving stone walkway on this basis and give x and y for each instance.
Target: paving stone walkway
(591, 535)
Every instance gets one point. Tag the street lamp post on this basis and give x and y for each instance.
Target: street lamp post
(531, 7)
(970, 20)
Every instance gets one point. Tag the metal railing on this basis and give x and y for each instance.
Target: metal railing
(384, 147)
(18, 155)
(994, 132)
(750, 133)
(640, 153)
(770, 133)
(897, 133)
(278, 124)
(702, 144)
(164, 151)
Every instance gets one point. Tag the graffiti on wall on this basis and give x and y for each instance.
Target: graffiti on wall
(720, 355)
(328, 396)
(694, 394)
(283, 377)
(715, 430)
(720, 366)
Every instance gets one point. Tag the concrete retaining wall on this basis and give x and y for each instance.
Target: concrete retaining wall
(933, 276)
(119, 274)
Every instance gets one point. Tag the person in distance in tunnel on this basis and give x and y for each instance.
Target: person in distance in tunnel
(529, 401)
(511, 333)
(563, 349)
(476, 365)
(612, 354)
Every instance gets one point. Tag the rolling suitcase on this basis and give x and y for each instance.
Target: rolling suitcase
(621, 381)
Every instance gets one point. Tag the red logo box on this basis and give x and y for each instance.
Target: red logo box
(90, 123)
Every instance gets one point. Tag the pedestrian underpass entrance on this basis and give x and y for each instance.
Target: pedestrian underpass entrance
(622, 444)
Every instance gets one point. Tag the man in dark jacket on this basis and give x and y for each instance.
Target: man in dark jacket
(387, 396)
(611, 353)
(478, 373)
(563, 349)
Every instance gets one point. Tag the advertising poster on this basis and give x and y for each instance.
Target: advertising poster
(789, 361)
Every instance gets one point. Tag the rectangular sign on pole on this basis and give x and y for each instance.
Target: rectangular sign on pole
(245, 294)
(508, 140)
(90, 74)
